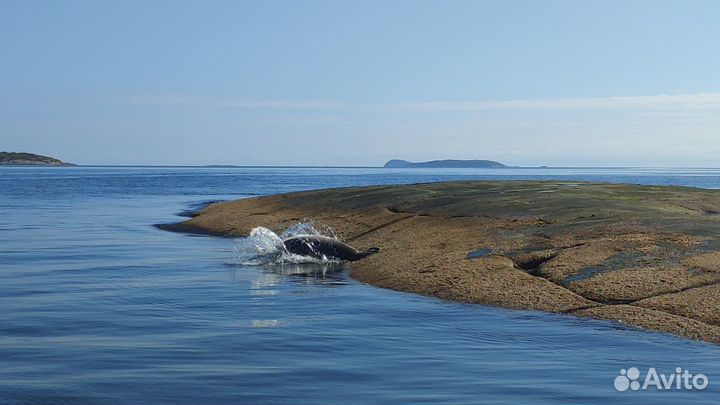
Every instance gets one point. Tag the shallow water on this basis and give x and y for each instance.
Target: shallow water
(98, 306)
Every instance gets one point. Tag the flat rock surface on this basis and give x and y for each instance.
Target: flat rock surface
(643, 255)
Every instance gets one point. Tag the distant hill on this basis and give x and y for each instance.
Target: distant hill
(447, 163)
(29, 159)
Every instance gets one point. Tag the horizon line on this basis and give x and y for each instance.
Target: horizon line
(229, 166)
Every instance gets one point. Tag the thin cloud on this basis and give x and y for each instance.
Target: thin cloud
(680, 101)
(214, 102)
(700, 101)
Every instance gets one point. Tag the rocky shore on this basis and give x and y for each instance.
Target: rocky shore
(641, 255)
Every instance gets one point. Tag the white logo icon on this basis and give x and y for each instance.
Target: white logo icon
(628, 379)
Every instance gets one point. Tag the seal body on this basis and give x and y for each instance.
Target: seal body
(323, 247)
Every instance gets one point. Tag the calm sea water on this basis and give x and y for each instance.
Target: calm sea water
(98, 306)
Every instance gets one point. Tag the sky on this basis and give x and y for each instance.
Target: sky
(356, 83)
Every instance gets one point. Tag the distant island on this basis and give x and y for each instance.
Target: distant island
(29, 159)
(447, 163)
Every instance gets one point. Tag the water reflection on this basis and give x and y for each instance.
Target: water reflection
(311, 270)
(265, 277)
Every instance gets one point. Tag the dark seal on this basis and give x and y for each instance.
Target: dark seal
(323, 247)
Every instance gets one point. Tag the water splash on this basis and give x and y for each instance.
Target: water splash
(308, 228)
(265, 247)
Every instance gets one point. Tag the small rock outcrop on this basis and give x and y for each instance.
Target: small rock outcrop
(29, 159)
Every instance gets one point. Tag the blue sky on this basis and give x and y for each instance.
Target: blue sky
(562, 83)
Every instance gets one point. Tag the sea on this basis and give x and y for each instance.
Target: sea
(99, 306)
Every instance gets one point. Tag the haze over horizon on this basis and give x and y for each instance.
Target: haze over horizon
(556, 83)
